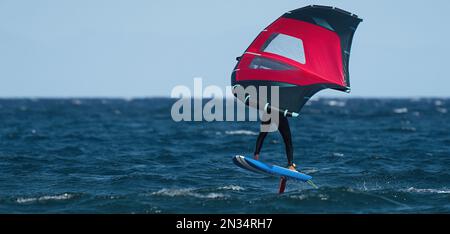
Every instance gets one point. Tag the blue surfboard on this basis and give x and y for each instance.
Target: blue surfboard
(273, 170)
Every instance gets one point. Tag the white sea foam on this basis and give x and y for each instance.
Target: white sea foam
(336, 103)
(26, 200)
(417, 190)
(210, 195)
(409, 129)
(400, 110)
(64, 196)
(232, 187)
(309, 170)
(322, 197)
(441, 110)
(299, 197)
(438, 103)
(241, 132)
(338, 154)
(187, 192)
(76, 102)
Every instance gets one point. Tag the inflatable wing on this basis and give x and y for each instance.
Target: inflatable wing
(302, 52)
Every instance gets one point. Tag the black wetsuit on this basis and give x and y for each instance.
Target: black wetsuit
(285, 131)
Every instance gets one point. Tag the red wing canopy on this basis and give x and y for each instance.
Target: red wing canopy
(302, 52)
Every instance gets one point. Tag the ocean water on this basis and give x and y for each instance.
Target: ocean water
(129, 156)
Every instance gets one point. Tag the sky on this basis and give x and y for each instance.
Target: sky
(93, 48)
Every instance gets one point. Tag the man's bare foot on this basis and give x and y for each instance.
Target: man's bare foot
(256, 156)
(292, 167)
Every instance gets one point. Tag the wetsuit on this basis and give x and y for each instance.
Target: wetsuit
(285, 131)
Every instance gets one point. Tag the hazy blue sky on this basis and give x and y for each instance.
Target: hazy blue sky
(144, 48)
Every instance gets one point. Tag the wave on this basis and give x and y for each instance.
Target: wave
(241, 132)
(64, 196)
(76, 102)
(187, 192)
(232, 187)
(128, 99)
(438, 103)
(309, 170)
(402, 110)
(441, 110)
(401, 129)
(417, 190)
(336, 154)
(336, 103)
(322, 197)
(341, 194)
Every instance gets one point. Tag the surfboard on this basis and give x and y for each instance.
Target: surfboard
(273, 170)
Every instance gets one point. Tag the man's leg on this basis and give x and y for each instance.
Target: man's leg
(259, 143)
(260, 140)
(285, 132)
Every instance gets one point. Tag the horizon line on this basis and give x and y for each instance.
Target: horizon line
(168, 97)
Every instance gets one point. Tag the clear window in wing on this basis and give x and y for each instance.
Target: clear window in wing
(269, 64)
(286, 46)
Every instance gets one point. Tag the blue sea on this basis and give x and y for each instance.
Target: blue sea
(129, 156)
